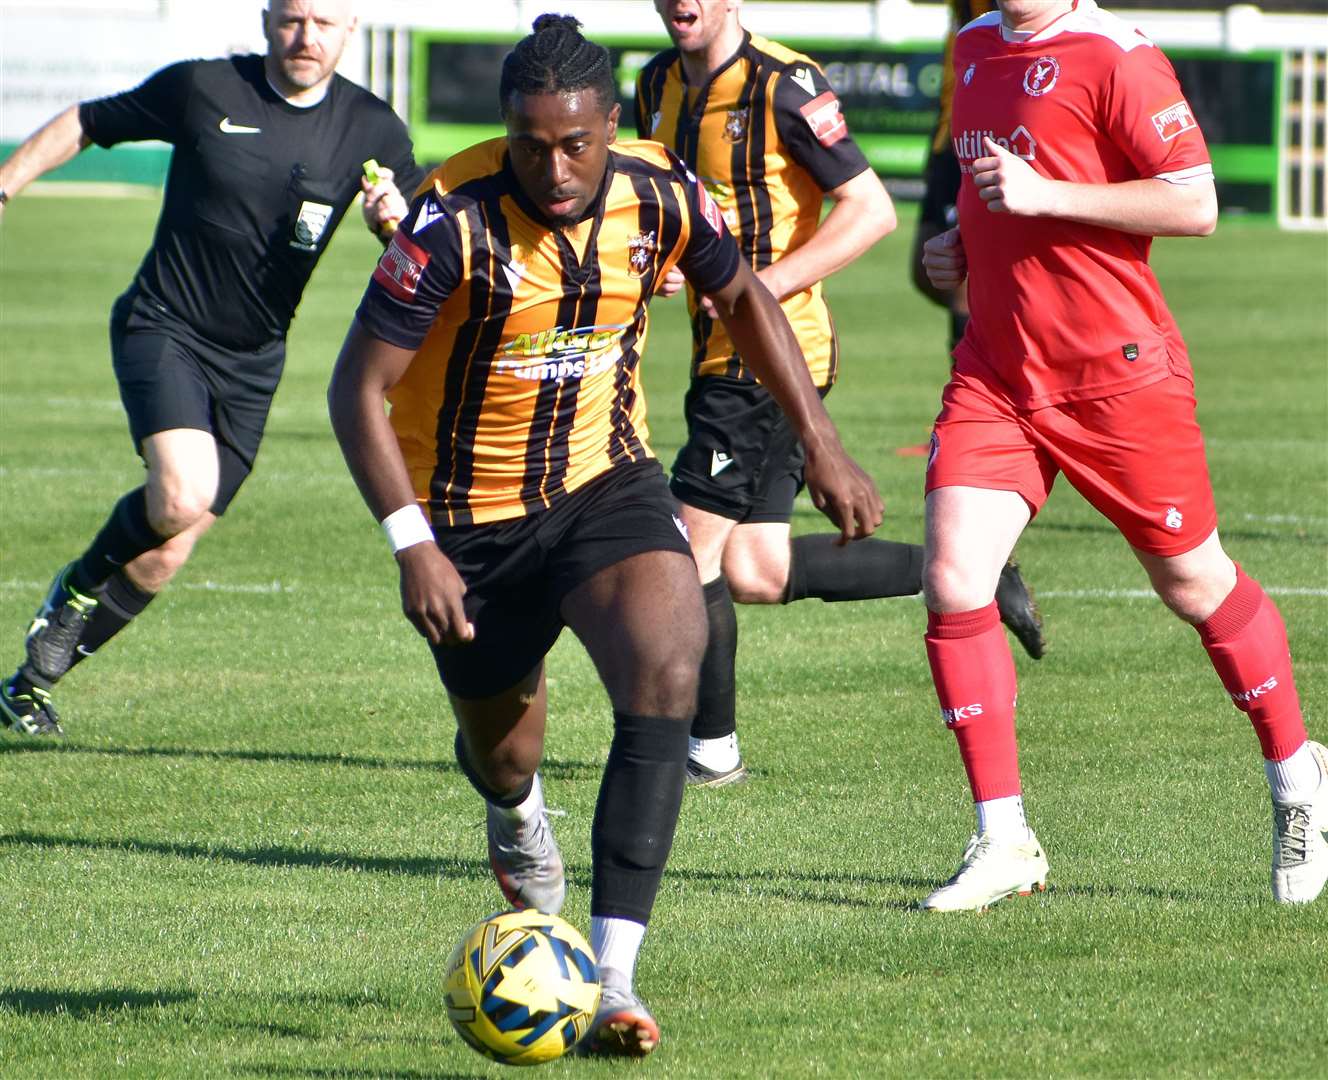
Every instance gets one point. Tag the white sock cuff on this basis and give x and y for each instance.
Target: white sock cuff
(1295, 778)
(616, 942)
(1003, 818)
(529, 807)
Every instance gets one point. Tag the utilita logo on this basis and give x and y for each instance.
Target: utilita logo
(962, 712)
(1244, 697)
(968, 144)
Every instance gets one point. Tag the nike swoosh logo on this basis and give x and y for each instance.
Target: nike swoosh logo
(236, 129)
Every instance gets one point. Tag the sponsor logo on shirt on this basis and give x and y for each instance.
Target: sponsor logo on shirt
(710, 209)
(824, 118)
(399, 269)
(561, 353)
(640, 251)
(1041, 76)
(735, 127)
(1174, 120)
(310, 224)
(968, 145)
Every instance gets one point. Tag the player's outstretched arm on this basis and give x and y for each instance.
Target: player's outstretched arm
(862, 213)
(431, 589)
(49, 147)
(756, 323)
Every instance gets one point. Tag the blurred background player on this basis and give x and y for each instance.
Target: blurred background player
(761, 128)
(504, 326)
(1071, 363)
(941, 177)
(267, 157)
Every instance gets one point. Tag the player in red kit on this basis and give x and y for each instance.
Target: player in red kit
(1077, 147)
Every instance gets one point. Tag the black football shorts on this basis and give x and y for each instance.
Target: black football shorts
(742, 460)
(518, 571)
(942, 177)
(171, 378)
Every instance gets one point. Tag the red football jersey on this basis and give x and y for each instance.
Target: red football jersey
(1063, 311)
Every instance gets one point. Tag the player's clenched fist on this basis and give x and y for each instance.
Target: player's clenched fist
(944, 260)
(1008, 184)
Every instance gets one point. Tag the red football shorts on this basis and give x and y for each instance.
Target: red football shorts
(1138, 457)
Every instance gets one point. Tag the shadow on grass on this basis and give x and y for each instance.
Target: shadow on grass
(563, 770)
(80, 1003)
(353, 1074)
(431, 866)
(781, 882)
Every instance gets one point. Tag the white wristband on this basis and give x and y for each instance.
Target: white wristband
(407, 527)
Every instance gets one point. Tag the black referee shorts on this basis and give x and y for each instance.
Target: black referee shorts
(742, 460)
(518, 571)
(171, 378)
(942, 177)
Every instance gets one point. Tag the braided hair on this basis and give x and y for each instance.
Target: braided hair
(556, 59)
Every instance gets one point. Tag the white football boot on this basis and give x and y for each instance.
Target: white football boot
(991, 870)
(1300, 852)
(622, 1027)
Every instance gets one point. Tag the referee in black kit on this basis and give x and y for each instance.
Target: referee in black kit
(268, 155)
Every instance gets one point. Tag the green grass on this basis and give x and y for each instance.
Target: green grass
(253, 853)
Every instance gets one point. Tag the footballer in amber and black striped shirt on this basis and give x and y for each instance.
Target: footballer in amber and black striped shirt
(505, 326)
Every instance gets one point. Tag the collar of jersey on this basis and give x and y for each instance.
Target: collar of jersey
(578, 269)
(1052, 29)
(704, 92)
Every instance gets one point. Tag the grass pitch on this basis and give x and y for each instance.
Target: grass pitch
(254, 852)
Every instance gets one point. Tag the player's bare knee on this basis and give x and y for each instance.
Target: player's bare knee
(754, 585)
(173, 511)
(947, 586)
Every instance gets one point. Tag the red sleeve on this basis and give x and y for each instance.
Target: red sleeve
(1148, 118)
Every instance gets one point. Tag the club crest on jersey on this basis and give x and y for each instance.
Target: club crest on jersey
(399, 270)
(735, 127)
(310, 224)
(1041, 76)
(1174, 120)
(824, 118)
(641, 249)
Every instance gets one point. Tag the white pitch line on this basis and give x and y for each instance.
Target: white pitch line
(1285, 519)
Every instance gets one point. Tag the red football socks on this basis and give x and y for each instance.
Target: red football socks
(974, 675)
(1246, 640)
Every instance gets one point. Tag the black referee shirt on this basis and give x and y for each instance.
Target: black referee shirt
(256, 188)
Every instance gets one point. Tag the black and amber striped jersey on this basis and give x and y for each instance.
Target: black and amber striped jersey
(962, 12)
(766, 137)
(525, 382)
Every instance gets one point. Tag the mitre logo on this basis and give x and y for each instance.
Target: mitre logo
(968, 144)
(561, 353)
(1041, 76)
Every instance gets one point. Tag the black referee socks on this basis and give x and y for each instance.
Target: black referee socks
(863, 570)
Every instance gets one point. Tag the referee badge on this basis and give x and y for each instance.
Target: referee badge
(735, 127)
(310, 224)
(641, 249)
